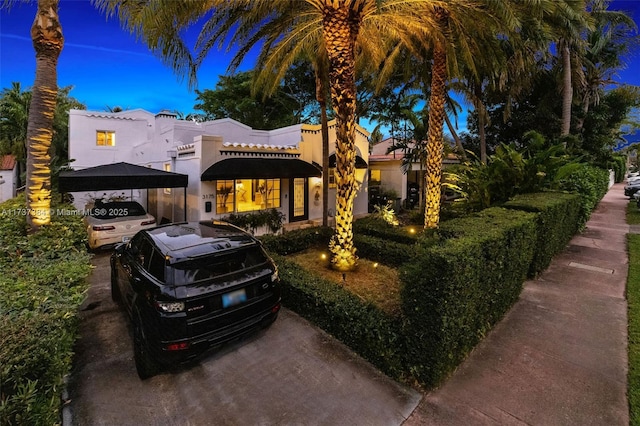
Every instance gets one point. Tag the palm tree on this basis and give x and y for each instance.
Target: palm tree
(46, 34)
(610, 38)
(569, 20)
(450, 24)
(286, 29)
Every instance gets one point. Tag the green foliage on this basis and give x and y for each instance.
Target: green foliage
(455, 291)
(271, 218)
(375, 226)
(382, 250)
(297, 240)
(233, 98)
(633, 298)
(557, 220)
(43, 281)
(14, 114)
(512, 170)
(458, 281)
(619, 165)
(386, 213)
(362, 326)
(590, 182)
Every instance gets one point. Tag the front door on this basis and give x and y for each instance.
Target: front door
(299, 203)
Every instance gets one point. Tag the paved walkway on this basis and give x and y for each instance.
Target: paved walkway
(559, 357)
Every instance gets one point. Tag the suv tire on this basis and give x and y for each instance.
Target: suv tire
(146, 366)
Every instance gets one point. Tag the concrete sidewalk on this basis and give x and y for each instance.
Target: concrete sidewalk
(559, 357)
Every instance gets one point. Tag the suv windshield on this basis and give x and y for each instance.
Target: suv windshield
(210, 267)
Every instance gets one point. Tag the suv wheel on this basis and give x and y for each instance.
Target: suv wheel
(146, 366)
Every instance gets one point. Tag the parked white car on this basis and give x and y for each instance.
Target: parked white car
(116, 222)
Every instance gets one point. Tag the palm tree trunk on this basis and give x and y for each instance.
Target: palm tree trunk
(340, 29)
(322, 100)
(481, 122)
(46, 34)
(456, 138)
(435, 144)
(567, 89)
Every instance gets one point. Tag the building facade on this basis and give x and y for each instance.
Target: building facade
(8, 177)
(231, 167)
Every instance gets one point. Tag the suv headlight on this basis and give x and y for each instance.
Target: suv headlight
(170, 307)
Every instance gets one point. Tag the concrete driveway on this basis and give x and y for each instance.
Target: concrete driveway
(291, 374)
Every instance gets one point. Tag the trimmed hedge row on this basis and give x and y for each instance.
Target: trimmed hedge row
(297, 240)
(591, 183)
(455, 291)
(375, 226)
(557, 221)
(389, 253)
(366, 329)
(43, 282)
(457, 282)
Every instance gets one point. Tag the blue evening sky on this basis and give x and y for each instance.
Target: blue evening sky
(108, 67)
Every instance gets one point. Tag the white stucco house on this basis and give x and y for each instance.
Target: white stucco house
(8, 177)
(386, 170)
(231, 167)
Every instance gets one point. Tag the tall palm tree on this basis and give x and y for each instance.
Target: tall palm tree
(286, 29)
(450, 26)
(46, 33)
(569, 20)
(611, 37)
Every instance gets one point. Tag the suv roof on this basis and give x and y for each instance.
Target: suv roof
(181, 241)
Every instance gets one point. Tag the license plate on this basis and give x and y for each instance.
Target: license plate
(233, 298)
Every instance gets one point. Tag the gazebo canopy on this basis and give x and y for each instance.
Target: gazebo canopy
(119, 176)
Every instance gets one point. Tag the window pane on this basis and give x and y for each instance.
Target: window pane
(225, 196)
(105, 138)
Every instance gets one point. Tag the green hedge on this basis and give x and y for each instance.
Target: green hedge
(43, 279)
(376, 227)
(298, 240)
(557, 221)
(362, 326)
(455, 291)
(591, 183)
(387, 252)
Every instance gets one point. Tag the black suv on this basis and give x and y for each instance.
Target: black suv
(190, 286)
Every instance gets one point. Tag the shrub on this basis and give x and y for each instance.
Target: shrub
(297, 240)
(590, 182)
(43, 281)
(456, 290)
(375, 226)
(362, 326)
(557, 220)
(387, 252)
(272, 219)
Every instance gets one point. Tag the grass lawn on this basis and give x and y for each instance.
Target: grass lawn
(633, 213)
(371, 281)
(633, 299)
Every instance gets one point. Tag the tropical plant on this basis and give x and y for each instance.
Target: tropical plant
(613, 35)
(46, 35)
(286, 30)
(14, 119)
(14, 112)
(233, 98)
